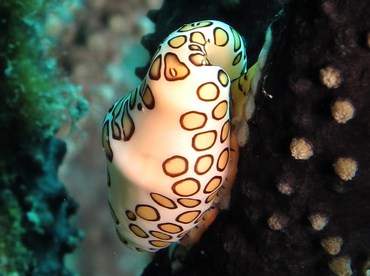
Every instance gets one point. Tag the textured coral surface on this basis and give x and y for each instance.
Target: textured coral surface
(300, 202)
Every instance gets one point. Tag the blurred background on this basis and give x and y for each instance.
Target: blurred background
(99, 50)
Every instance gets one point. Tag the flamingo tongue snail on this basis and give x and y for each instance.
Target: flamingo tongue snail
(172, 143)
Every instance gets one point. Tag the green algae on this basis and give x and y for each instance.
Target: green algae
(37, 99)
(15, 259)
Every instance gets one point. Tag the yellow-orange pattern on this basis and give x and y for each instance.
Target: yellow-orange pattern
(168, 141)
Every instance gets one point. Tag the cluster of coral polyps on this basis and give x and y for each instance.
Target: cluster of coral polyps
(323, 123)
(344, 167)
(327, 123)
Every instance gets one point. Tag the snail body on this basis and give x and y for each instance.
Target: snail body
(169, 143)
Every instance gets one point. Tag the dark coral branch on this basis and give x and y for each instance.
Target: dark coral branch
(300, 202)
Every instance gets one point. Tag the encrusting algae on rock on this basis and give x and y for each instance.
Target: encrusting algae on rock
(37, 100)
